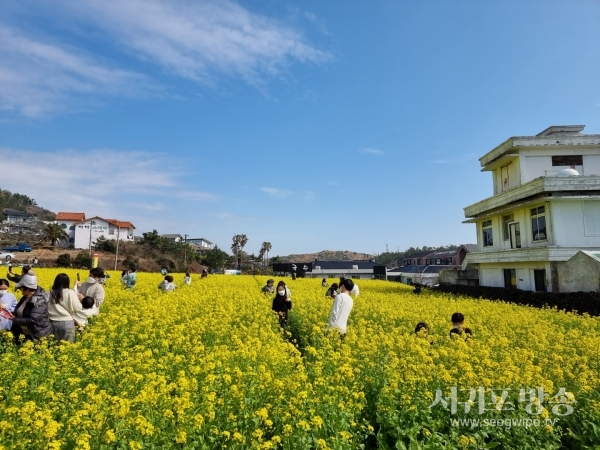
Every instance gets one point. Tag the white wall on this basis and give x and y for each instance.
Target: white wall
(569, 226)
(101, 228)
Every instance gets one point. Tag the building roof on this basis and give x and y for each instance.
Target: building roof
(120, 223)
(200, 239)
(15, 212)
(435, 269)
(444, 253)
(470, 248)
(344, 265)
(418, 269)
(76, 216)
(556, 135)
(419, 255)
(407, 269)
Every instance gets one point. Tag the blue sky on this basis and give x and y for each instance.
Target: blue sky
(312, 125)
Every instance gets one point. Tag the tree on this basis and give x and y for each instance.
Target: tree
(105, 245)
(267, 246)
(64, 260)
(239, 242)
(215, 258)
(54, 233)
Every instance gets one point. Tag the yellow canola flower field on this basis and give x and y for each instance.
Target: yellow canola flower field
(207, 367)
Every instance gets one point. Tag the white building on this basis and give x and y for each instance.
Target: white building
(67, 221)
(111, 229)
(201, 243)
(545, 209)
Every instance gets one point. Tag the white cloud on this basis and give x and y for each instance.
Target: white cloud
(128, 185)
(37, 78)
(198, 40)
(372, 151)
(276, 192)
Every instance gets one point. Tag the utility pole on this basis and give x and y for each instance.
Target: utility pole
(117, 251)
(91, 223)
(185, 250)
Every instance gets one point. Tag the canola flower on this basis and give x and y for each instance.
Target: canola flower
(208, 367)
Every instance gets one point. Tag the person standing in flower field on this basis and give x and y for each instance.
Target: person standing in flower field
(355, 291)
(458, 321)
(63, 305)
(8, 302)
(30, 317)
(130, 279)
(342, 305)
(92, 288)
(187, 280)
(281, 304)
(269, 288)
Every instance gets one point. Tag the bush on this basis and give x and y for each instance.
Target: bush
(83, 260)
(130, 261)
(105, 245)
(64, 260)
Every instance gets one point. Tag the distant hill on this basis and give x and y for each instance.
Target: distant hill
(21, 202)
(327, 255)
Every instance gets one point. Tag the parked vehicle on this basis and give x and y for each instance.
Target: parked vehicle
(9, 256)
(20, 247)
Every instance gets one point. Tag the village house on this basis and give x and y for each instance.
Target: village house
(540, 230)
(67, 221)
(88, 231)
(173, 237)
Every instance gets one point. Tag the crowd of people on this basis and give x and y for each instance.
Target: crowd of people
(39, 313)
(63, 310)
(342, 294)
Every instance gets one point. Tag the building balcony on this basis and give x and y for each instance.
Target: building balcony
(542, 185)
(534, 254)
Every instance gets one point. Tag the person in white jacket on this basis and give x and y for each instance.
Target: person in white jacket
(355, 292)
(341, 308)
(62, 306)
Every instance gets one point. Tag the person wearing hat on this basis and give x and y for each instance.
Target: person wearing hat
(30, 317)
(92, 288)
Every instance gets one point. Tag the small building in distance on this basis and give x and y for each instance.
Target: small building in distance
(174, 237)
(545, 210)
(14, 216)
(364, 269)
(201, 244)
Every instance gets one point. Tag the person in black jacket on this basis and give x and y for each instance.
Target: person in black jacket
(30, 317)
(282, 304)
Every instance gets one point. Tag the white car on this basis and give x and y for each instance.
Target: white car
(8, 256)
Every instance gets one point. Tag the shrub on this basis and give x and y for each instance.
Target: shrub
(64, 260)
(83, 260)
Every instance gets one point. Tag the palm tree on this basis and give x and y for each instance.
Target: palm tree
(55, 233)
(267, 246)
(239, 242)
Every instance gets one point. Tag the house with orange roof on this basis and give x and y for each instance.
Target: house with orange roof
(67, 221)
(88, 231)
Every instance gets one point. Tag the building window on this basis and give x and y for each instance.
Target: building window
(428, 262)
(72, 227)
(63, 225)
(567, 160)
(488, 238)
(510, 278)
(505, 220)
(438, 261)
(538, 223)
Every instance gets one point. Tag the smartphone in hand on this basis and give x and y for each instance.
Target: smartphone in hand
(6, 314)
(78, 279)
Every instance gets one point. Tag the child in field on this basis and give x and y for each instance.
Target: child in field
(458, 328)
(422, 331)
(187, 280)
(167, 284)
(324, 283)
(87, 311)
(269, 288)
